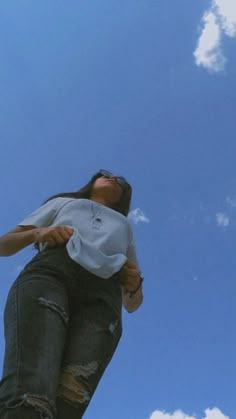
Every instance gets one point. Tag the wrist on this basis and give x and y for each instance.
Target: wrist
(137, 290)
(35, 233)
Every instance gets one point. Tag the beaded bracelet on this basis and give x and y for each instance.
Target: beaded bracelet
(131, 293)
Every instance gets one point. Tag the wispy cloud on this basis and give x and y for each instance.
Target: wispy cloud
(137, 216)
(231, 202)
(214, 413)
(210, 215)
(178, 414)
(217, 21)
(227, 216)
(222, 219)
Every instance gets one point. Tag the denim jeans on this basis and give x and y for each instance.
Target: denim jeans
(62, 326)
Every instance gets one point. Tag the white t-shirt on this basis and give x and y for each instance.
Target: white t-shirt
(102, 240)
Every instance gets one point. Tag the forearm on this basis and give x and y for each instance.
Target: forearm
(11, 243)
(134, 302)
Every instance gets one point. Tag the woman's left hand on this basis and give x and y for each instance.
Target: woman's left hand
(130, 276)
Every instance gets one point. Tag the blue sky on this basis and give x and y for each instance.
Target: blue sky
(146, 89)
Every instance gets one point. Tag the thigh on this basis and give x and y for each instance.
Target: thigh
(35, 321)
(94, 333)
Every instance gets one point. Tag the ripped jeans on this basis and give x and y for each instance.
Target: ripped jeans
(62, 326)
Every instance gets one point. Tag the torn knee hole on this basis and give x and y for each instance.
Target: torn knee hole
(73, 386)
(40, 404)
(73, 390)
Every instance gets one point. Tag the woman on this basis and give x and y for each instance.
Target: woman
(63, 313)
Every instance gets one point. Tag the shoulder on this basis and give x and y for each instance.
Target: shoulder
(56, 204)
(61, 201)
(72, 203)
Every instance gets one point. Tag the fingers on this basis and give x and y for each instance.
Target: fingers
(130, 264)
(56, 235)
(64, 233)
(131, 272)
(130, 278)
(60, 235)
(132, 284)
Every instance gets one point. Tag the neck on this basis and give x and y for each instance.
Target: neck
(101, 200)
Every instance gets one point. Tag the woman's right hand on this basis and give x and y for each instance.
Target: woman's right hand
(55, 235)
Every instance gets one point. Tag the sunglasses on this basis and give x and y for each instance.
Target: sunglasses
(120, 179)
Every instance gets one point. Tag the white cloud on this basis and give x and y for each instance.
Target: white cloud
(219, 20)
(214, 413)
(178, 414)
(137, 216)
(226, 10)
(208, 53)
(222, 219)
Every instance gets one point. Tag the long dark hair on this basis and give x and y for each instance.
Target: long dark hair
(122, 206)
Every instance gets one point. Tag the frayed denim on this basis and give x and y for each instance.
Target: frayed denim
(62, 326)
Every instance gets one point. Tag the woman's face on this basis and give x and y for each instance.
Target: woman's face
(108, 188)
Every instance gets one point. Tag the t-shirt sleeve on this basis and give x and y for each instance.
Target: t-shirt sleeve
(44, 215)
(132, 256)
